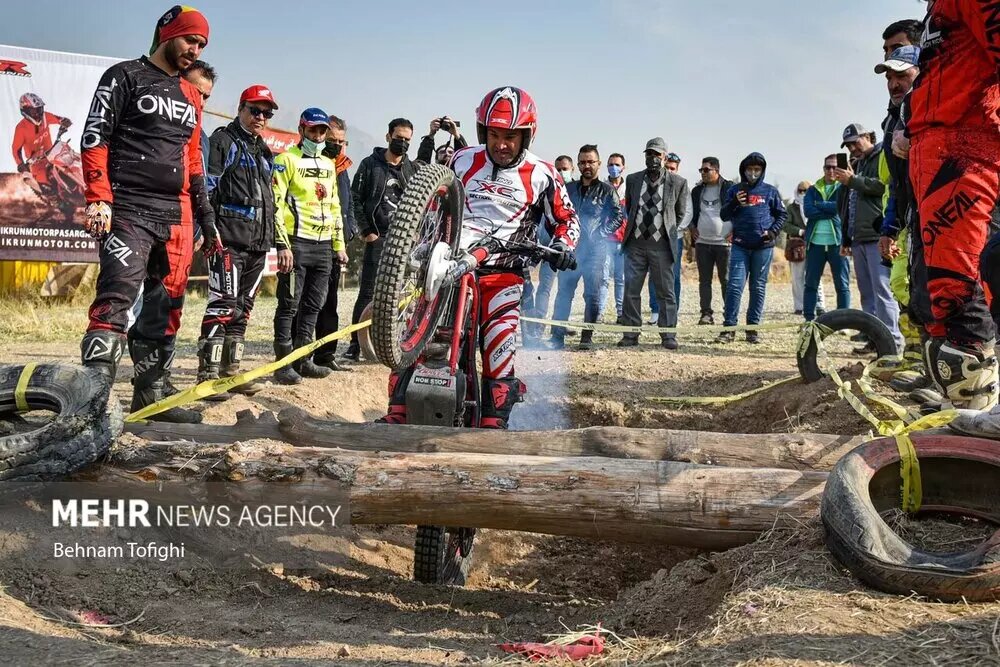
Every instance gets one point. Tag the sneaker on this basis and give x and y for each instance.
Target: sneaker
(752, 337)
(669, 343)
(727, 337)
(654, 319)
(707, 319)
(352, 353)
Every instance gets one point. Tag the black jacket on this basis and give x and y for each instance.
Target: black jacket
(425, 153)
(724, 186)
(239, 184)
(369, 186)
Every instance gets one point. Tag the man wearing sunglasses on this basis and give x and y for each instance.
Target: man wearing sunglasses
(710, 234)
(239, 185)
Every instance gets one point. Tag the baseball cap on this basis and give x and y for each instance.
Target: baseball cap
(258, 93)
(314, 116)
(853, 132)
(656, 144)
(900, 60)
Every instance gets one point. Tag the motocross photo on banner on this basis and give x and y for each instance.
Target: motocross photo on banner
(44, 100)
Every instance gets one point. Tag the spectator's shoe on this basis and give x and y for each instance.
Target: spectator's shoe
(654, 319)
(706, 319)
(285, 374)
(555, 343)
(907, 381)
(869, 348)
(727, 337)
(798, 312)
(628, 341)
(820, 311)
(352, 353)
(856, 338)
(586, 340)
(571, 332)
(669, 343)
(753, 337)
(331, 363)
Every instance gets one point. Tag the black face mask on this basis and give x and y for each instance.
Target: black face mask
(399, 147)
(654, 163)
(332, 150)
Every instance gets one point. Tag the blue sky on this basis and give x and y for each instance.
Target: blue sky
(781, 77)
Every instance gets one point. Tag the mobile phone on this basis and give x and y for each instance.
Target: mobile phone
(842, 161)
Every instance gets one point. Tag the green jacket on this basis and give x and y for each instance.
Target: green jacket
(307, 203)
(795, 223)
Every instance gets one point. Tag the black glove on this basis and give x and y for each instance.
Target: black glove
(565, 260)
(23, 167)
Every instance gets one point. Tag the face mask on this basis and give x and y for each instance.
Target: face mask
(800, 199)
(654, 162)
(310, 147)
(753, 176)
(332, 150)
(614, 171)
(567, 176)
(399, 147)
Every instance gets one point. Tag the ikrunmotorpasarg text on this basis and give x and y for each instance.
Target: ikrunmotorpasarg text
(238, 526)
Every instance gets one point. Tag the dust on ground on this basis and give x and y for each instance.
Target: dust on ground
(780, 600)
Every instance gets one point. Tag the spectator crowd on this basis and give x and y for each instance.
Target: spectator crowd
(908, 211)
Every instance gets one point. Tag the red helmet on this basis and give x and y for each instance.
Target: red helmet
(32, 107)
(507, 108)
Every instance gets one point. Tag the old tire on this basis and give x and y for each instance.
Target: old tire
(433, 192)
(839, 320)
(960, 476)
(85, 424)
(437, 558)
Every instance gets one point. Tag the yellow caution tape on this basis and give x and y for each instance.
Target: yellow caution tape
(621, 328)
(21, 388)
(212, 387)
(720, 400)
(909, 465)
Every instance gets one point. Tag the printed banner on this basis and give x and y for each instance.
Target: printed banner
(44, 99)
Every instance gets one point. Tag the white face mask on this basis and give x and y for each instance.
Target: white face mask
(567, 176)
(799, 198)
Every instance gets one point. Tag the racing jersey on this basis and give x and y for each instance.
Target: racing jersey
(33, 141)
(960, 53)
(307, 203)
(510, 202)
(141, 146)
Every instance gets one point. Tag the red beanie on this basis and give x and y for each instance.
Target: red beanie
(179, 21)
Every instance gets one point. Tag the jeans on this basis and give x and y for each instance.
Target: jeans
(817, 257)
(798, 270)
(657, 261)
(591, 266)
(755, 266)
(711, 259)
(302, 292)
(543, 293)
(873, 283)
(616, 267)
(366, 288)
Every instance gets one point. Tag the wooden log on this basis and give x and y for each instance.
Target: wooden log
(618, 499)
(794, 451)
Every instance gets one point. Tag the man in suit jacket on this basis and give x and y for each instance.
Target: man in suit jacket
(657, 201)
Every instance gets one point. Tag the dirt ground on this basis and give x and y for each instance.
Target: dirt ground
(778, 601)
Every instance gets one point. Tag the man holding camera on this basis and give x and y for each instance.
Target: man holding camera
(442, 154)
(864, 227)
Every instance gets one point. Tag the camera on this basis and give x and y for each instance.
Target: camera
(446, 124)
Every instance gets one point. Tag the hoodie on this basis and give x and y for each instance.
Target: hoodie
(765, 211)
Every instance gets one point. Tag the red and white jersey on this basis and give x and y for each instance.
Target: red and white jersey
(511, 202)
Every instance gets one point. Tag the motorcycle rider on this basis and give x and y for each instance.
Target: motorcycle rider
(507, 184)
(145, 185)
(32, 139)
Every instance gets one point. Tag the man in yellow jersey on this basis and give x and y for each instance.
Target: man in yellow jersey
(309, 238)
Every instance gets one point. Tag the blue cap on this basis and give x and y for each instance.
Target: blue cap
(900, 60)
(314, 116)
